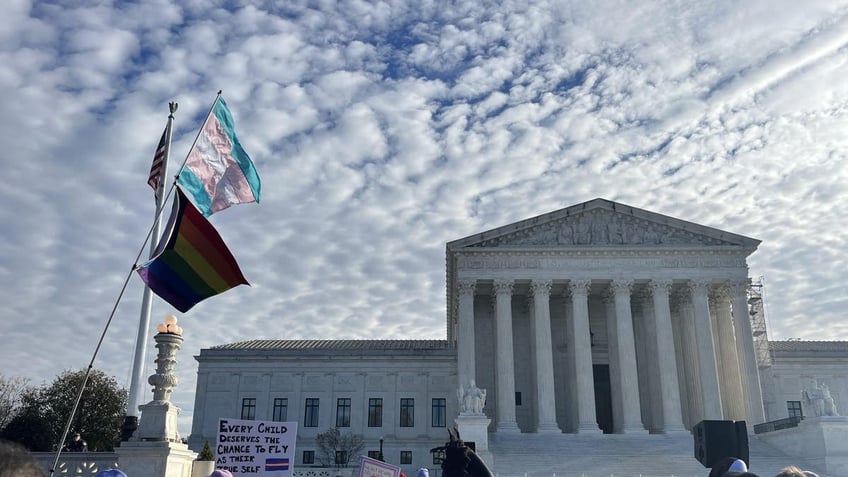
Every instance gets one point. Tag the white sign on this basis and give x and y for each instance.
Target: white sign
(369, 467)
(256, 448)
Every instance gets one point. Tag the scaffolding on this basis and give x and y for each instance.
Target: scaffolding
(756, 309)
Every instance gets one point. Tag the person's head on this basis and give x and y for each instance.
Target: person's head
(739, 474)
(15, 461)
(221, 473)
(110, 473)
(793, 471)
(77, 436)
(728, 464)
(423, 472)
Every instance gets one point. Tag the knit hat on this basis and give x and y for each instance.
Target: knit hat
(423, 472)
(221, 473)
(738, 466)
(111, 473)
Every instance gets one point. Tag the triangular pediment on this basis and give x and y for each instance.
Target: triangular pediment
(602, 223)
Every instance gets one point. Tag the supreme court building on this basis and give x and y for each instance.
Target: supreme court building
(600, 318)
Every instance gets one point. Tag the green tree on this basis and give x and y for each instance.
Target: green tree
(206, 454)
(11, 391)
(29, 427)
(44, 412)
(335, 448)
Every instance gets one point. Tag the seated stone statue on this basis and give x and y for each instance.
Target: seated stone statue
(471, 399)
(829, 404)
(819, 400)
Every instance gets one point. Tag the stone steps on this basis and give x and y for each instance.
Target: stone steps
(578, 455)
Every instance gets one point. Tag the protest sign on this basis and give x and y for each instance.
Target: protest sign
(369, 467)
(256, 448)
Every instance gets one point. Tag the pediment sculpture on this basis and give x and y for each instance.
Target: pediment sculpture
(600, 227)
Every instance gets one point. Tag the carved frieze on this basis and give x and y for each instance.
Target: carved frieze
(600, 228)
(578, 261)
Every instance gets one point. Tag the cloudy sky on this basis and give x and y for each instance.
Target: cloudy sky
(382, 130)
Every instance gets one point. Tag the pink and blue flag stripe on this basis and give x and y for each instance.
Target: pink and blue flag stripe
(276, 463)
(218, 172)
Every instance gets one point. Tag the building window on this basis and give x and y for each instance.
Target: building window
(375, 412)
(341, 457)
(248, 408)
(794, 408)
(438, 457)
(407, 412)
(308, 457)
(343, 412)
(439, 412)
(518, 398)
(281, 409)
(310, 417)
(405, 457)
(374, 454)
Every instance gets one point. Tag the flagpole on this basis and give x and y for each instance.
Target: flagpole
(160, 208)
(136, 391)
(194, 143)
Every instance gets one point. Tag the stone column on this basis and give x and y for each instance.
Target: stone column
(707, 368)
(505, 361)
(747, 355)
(626, 352)
(645, 329)
(687, 358)
(466, 369)
(731, 384)
(587, 421)
(667, 358)
(608, 299)
(545, 399)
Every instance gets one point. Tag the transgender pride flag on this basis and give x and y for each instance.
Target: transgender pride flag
(273, 463)
(218, 172)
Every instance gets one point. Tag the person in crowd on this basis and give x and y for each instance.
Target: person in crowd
(728, 464)
(76, 444)
(15, 461)
(111, 473)
(793, 471)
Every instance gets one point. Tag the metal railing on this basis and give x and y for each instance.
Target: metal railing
(77, 464)
(785, 423)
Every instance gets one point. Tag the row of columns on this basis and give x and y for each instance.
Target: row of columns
(712, 363)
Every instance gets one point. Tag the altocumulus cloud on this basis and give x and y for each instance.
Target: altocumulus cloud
(382, 130)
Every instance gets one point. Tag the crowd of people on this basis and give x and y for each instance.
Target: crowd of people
(16, 461)
(734, 467)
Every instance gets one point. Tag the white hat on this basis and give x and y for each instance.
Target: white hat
(423, 472)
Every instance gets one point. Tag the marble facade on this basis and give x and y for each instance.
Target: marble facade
(611, 290)
(596, 318)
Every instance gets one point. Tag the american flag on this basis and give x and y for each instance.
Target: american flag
(158, 162)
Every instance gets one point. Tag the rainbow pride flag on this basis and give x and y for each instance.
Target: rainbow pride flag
(191, 263)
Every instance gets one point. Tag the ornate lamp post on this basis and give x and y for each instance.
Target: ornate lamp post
(155, 448)
(168, 342)
(159, 416)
